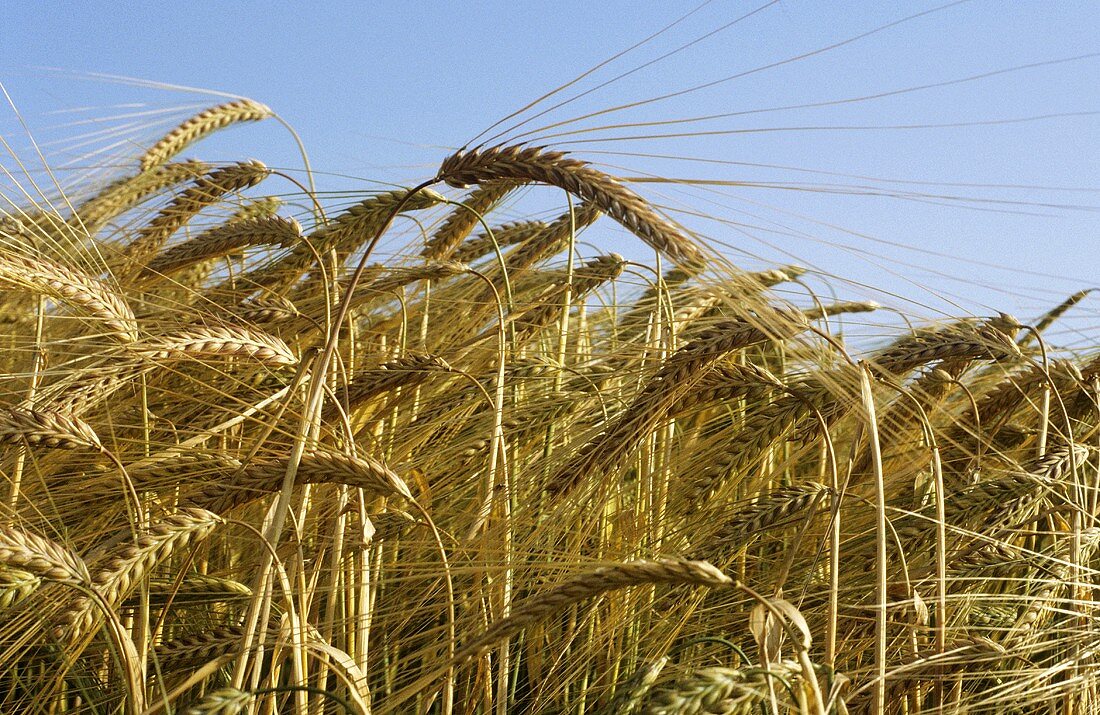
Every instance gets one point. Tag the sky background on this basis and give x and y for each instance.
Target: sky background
(997, 211)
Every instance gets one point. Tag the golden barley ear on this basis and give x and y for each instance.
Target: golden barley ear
(124, 194)
(202, 124)
(536, 164)
(40, 556)
(204, 192)
(502, 236)
(593, 583)
(719, 689)
(220, 342)
(46, 428)
(404, 372)
(118, 570)
(661, 393)
(225, 239)
(223, 701)
(465, 218)
(262, 477)
(90, 296)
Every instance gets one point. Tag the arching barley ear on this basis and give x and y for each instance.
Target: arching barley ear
(661, 393)
(226, 341)
(194, 650)
(554, 238)
(202, 124)
(86, 294)
(403, 372)
(226, 239)
(117, 570)
(223, 701)
(348, 230)
(504, 235)
(46, 428)
(965, 340)
(844, 307)
(204, 192)
(464, 219)
(40, 556)
(120, 196)
(536, 164)
(733, 690)
(265, 476)
(593, 583)
(342, 234)
(773, 509)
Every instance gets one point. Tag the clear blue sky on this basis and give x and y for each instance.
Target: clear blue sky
(380, 90)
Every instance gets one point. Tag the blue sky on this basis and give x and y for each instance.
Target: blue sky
(381, 91)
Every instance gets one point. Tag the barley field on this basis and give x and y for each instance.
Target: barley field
(266, 449)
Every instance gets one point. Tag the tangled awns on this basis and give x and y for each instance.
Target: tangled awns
(247, 465)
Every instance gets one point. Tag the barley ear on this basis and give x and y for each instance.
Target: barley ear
(535, 164)
(202, 124)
